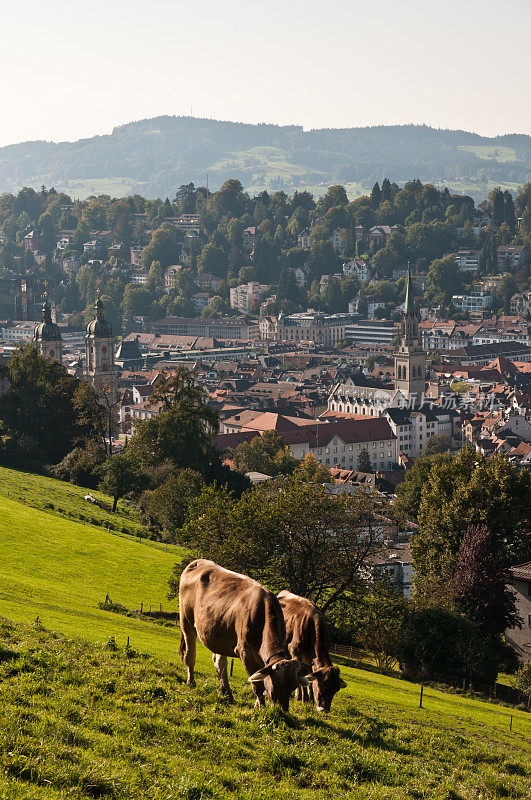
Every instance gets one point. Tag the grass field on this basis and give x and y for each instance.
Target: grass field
(69, 501)
(78, 719)
(490, 152)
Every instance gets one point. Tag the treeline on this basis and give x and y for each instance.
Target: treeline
(431, 222)
(158, 154)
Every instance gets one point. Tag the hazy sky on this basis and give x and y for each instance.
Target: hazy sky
(70, 70)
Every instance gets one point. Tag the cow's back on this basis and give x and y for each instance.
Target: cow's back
(228, 609)
(306, 631)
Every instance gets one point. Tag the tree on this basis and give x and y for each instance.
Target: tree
(480, 584)
(409, 491)
(212, 261)
(382, 612)
(42, 405)
(437, 444)
(164, 247)
(120, 476)
(287, 533)
(267, 454)
(167, 505)
(376, 196)
(182, 432)
(444, 280)
(442, 642)
(523, 679)
(364, 461)
(470, 489)
(136, 301)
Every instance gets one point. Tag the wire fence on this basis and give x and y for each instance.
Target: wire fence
(494, 691)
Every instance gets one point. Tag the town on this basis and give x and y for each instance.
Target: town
(321, 405)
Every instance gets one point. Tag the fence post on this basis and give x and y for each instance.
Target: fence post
(141, 606)
(231, 666)
(511, 723)
(421, 693)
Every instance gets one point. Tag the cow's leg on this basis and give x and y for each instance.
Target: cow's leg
(302, 694)
(251, 666)
(220, 663)
(189, 650)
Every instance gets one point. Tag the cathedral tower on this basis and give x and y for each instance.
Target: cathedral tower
(99, 354)
(410, 359)
(47, 334)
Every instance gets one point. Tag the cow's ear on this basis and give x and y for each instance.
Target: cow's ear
(342, 684)
(303, 680)
(257, 677)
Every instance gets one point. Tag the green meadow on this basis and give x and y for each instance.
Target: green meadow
(82, 718)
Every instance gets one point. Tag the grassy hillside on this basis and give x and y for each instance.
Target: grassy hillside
(154, 157)
(69, 501)
(79, 720)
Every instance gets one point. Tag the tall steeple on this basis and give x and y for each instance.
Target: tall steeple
(410, 359)
(47, 334)
(99, 353)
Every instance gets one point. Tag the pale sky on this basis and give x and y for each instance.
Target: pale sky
(70, 70)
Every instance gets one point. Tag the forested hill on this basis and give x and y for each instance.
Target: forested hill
(155, 156)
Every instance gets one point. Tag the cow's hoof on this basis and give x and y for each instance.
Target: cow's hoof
(190, 682)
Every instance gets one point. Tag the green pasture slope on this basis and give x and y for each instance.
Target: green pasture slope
(78, 719)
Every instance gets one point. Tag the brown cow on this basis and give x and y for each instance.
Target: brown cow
(307, 638)
(236, 617)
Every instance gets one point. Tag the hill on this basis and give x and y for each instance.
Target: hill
(81, 717)
(80, 720)
(155, 156)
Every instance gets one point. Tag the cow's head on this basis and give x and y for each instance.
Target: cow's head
(280, 680)
(325, 683)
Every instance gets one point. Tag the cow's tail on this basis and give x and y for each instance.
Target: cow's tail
(182, 646)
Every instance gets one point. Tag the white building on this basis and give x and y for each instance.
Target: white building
(468, 260)
(247, 296)
(359, 268)
(477, 300)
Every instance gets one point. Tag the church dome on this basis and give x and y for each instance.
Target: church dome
(47, 331)
(99, 327)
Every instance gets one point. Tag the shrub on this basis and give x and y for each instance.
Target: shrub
(439, 641)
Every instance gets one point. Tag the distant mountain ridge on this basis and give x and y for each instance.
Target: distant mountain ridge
(155, 156)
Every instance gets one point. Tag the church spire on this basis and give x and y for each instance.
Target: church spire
(409, 305)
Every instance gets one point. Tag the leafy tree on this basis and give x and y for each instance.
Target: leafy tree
(497, 206)
(471, 489)
(376, 195)
(409, 491)
(182, 432)
(120, 475)
(167, 505)
(164, 247)
(267, 454)
(444, 280)
(436, 641)
(437, 444)
(523, 679)
(212, 261)
(137, 300)
(480, 584)
(42, 402)
(382, 613)
(286, 533)
(364, 461)
(155, 278)
(506, 290)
